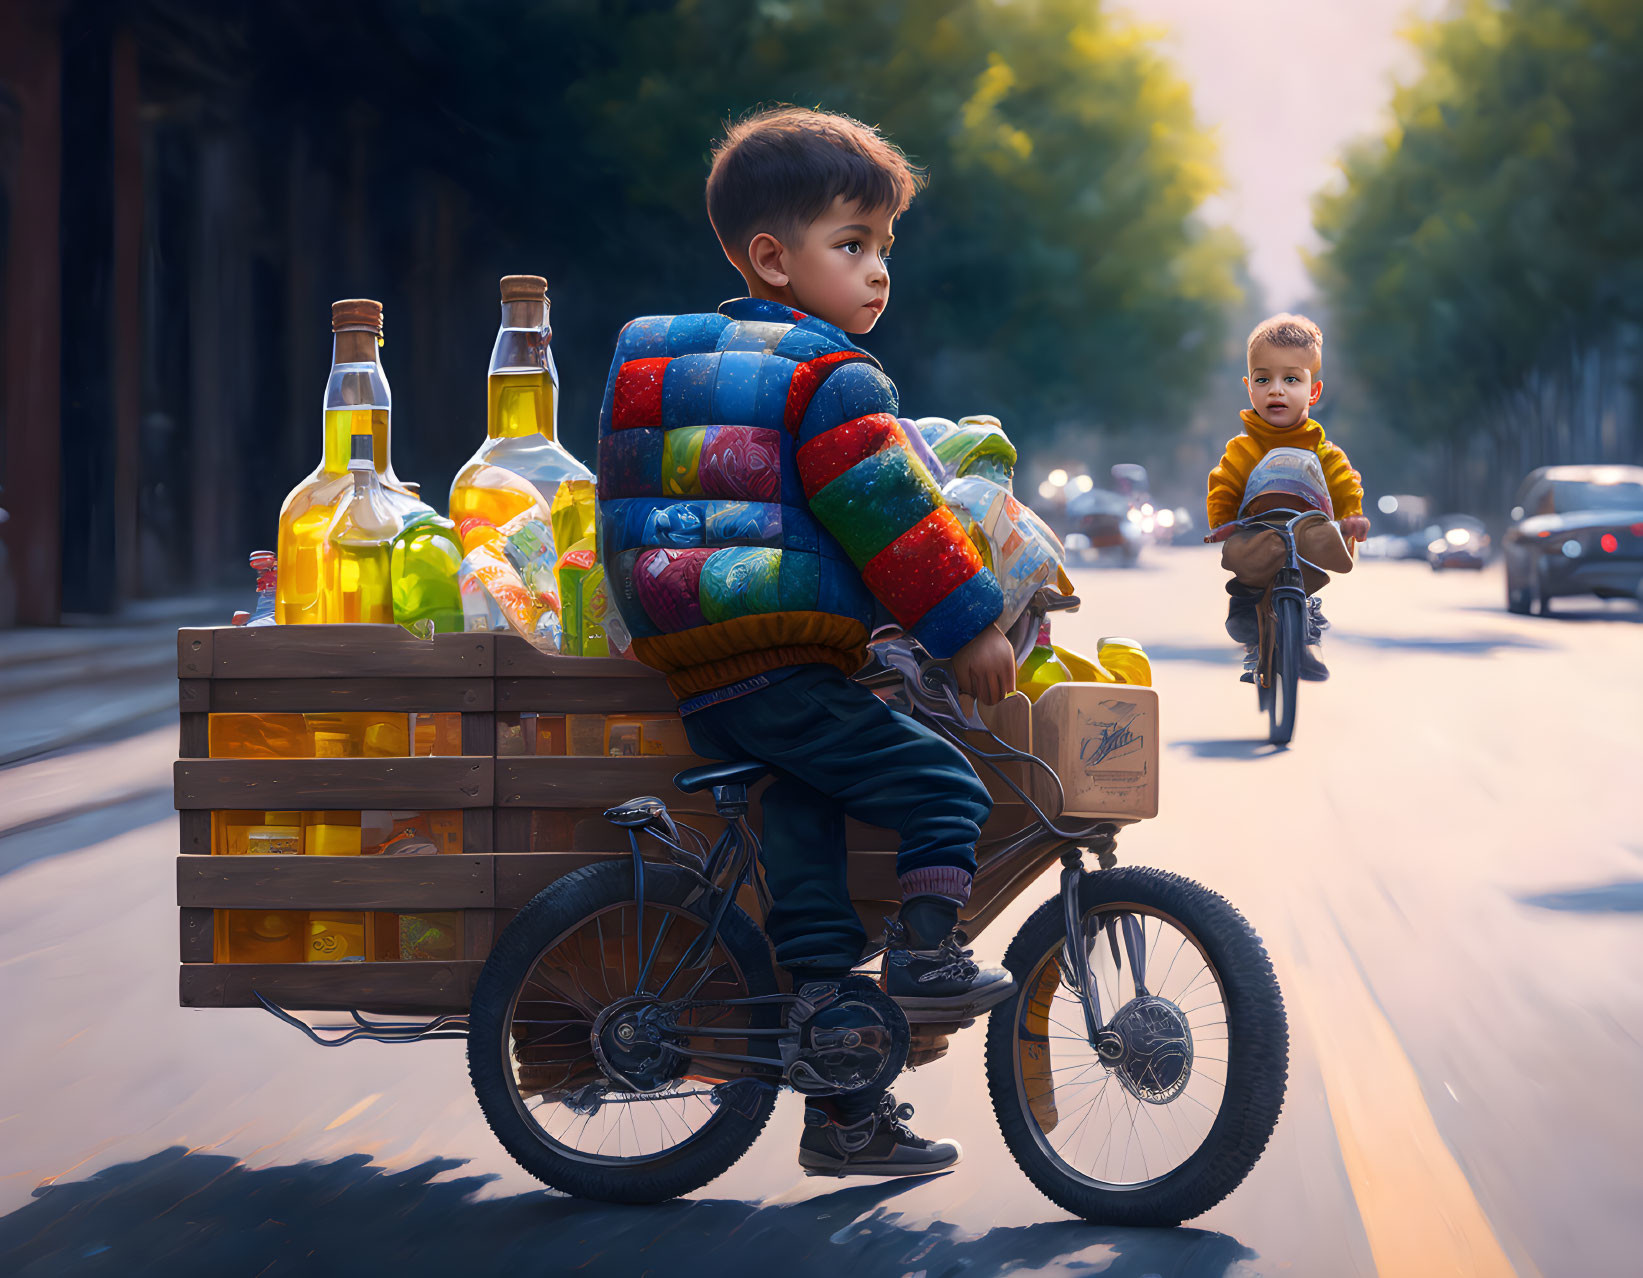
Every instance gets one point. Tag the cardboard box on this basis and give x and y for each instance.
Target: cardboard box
(1102, 741)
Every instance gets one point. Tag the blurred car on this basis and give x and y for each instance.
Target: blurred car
(1108, 522)
(1576, 530)
(1458, 541)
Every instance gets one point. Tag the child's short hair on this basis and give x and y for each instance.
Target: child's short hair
(1291, 333)
(779, 169)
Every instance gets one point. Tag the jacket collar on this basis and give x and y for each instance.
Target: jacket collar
(764, 310)
(1307, 434)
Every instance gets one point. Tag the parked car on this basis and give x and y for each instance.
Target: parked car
(1111, 524)
(1458, 541)
(1576, 530)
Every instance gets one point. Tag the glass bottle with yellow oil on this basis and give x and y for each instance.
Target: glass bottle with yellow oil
(357, 399)
(356, 582)
(521, 433)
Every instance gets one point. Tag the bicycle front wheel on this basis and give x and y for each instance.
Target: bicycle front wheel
(1286, 670)
(1164, 1112)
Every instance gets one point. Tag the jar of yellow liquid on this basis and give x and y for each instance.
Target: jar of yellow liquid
(521, 462)
(357, 399)
(260, 936)
(335, 938)
(1043, 667)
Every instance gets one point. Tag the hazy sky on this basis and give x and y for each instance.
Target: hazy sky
(1286, 84)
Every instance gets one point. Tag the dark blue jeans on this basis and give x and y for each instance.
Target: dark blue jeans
(837, 750)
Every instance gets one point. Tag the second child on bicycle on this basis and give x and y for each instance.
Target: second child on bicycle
(1285, 356)
(758, 502)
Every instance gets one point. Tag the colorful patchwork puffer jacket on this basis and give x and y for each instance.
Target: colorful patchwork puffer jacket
(757, 496)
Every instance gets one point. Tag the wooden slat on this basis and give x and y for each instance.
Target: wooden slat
(336, 882)
(346, 652)
(194, 653)
(511, 829)
(515, 658)
(585, 694)
(521, 875)
(551, 781)
(194, 827)
(193, 735)
(479, 933)
(478, 829)
(338, 693)
(410, 988)
(479, 733)
(427, 784)
(196, 930)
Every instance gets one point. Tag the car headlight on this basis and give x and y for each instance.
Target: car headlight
(1437, 546)
(1457, 536)
(1133, 515)
(1166, 519)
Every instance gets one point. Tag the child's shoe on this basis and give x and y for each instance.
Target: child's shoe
(879, 1145)
(1312, 668)
(1252, 658)
(1242, 626)
(940, 982)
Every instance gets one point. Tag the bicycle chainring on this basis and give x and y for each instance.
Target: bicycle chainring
(845, 1036)
(628, 1040)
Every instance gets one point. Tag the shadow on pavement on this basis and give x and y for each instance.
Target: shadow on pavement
(1255, 748)
(1624, 897)
(1442, 646)
(1577, 609)
(181, 1213)
(1219, 654)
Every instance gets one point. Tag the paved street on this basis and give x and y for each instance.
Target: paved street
(1447, 866)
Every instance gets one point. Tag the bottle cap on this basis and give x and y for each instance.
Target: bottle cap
(523, 288)
(356, 313)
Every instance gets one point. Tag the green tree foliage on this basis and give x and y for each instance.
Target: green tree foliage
(1054, 270)
(1483, 259)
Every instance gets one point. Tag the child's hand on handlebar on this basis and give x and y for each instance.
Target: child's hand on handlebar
(1355, 528)
(985, 667)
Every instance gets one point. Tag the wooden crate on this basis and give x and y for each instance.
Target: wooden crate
(527, 819)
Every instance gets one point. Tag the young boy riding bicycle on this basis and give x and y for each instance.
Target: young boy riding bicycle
(758, 504)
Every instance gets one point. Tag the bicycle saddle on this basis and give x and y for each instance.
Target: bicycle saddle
(647, 811)
(737, 772)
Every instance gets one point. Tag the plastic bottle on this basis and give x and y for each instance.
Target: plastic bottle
(424, 560)
(356, 397)
(521, 428)
(266, 566)
(1042, 668)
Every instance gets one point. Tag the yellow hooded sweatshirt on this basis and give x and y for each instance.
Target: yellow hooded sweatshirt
(1227, 480)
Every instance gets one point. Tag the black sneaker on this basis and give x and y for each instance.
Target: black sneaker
(1242, 625)
(943, 984)
(1312, 669)
(1251, 658)
(879, 1145)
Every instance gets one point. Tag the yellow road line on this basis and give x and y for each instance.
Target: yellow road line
(1417, 1207)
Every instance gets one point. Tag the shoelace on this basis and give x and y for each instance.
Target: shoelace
(896, 1117)
(959, 964)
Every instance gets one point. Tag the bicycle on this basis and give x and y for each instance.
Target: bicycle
(628, 1037)
(1280, 619)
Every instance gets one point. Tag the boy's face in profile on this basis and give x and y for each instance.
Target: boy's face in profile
(837, 271)
(1281, 384)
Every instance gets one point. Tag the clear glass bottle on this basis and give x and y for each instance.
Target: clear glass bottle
(356, 394)
(521, 432)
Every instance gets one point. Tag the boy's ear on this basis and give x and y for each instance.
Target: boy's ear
(1317, 390)
(768, 259)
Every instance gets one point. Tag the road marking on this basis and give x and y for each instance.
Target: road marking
(1418, 1209)
(353, 1111)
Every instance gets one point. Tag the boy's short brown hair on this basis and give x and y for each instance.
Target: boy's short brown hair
(781, 168)
(1291, 333)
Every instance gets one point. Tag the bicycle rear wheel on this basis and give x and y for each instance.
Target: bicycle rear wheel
(1286, 670)
(574, 951)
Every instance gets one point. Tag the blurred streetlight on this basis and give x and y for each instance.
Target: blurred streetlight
(1388, 504)
(1083, 483)
(1058, 478)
